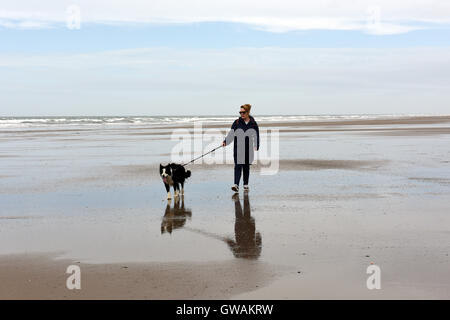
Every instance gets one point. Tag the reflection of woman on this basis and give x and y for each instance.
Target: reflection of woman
(244, 122)
(248, 243)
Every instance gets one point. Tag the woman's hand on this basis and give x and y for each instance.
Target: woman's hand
(224, 144)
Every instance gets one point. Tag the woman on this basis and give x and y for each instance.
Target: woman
(244, 131)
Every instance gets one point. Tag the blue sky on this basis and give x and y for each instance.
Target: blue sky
(164, 58)
(97, 37)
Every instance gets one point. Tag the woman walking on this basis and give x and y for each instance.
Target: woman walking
(245, 135)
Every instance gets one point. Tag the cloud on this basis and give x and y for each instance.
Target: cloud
(374, 17)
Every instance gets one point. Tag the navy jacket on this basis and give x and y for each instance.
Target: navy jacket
(251, 138)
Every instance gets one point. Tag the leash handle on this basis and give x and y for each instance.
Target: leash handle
(202, 156)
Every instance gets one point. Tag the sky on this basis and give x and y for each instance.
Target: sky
(205, 57)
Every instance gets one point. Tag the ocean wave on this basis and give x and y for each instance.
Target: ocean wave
(11, 122)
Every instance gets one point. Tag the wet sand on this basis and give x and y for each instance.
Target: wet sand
(40, 276)
(348, 193)
(118, 175)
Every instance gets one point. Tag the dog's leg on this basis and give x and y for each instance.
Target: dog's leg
(169, 196)
(176, 189)
(182, 188)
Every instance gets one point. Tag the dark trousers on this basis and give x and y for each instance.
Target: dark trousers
(237, 173)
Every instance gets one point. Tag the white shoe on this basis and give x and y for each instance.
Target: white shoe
(246, 189)
(235, 188)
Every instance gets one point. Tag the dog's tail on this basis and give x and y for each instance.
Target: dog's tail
(187, 174)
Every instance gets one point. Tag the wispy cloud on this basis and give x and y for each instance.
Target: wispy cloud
(375, 17)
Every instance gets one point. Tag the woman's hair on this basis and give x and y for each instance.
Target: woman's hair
(246, 107)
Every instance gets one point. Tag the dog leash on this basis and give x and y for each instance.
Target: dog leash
(202, 155)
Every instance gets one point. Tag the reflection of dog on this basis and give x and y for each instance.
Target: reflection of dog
(174, 175)
(175, 217)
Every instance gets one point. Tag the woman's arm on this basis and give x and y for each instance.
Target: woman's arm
(230, 136)
(257, 136)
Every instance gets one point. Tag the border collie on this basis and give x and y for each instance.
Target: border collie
(174, 175)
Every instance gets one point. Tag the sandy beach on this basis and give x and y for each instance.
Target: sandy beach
(349, 193)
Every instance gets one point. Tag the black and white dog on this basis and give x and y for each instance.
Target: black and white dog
(174, 175)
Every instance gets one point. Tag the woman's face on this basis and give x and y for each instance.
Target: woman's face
(243, 113)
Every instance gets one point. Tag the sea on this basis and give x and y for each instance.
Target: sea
(40, 121)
